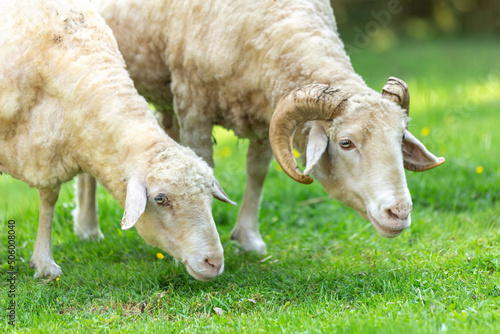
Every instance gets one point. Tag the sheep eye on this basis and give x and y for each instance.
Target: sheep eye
(404, 134)
(162, 200)
(346, 144)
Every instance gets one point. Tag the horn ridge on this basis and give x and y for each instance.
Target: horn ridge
(306, 103)
(396, 90)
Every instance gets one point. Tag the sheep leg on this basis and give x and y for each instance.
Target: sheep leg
(246, 230)
(170, 124)
(3, 169)
(85, 214)
(199, 138)
(42, 259)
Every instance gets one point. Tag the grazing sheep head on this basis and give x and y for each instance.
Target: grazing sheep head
(171, 208)
(356, 147)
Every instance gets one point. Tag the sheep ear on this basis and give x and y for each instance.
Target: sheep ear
(219, 193)
(135, 202)
(316, 146)
(416, 156)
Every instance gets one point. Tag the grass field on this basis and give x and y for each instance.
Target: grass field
(327, 271)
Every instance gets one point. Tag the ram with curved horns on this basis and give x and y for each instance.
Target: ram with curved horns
(230, 62)
(356, 148)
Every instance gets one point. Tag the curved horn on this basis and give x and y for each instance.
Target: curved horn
(396, 90)
(307, 103)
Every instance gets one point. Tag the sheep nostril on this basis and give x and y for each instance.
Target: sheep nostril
(394, 215)
(397, 216)
(213, 264)
(207, 261)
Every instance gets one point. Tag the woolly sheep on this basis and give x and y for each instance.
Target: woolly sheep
(67, 105)
(230, 62)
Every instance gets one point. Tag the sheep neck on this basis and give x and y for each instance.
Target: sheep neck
(119, 141)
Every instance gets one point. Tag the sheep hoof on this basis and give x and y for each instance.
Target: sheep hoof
(91, 234)
(86, 225)
(249, 241)
(47, 269)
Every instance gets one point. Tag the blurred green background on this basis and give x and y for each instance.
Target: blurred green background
(383, 24)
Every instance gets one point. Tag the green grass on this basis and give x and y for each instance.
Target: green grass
(328, 270)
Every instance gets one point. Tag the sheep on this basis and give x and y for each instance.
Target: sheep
(229, 62)
(68, 105)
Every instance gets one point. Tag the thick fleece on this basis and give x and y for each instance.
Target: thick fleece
(67, 105)
(231, 59)
(229, 63)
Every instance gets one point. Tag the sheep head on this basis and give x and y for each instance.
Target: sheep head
(170, 206)
(356, 147)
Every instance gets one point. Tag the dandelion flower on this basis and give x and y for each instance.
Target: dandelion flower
(57, 279)
(425, 131)
(295, 153)
(226, 151)
(160, 256)
(479, 169)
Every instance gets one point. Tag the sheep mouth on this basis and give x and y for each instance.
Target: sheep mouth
(384, 231)
(197, 275)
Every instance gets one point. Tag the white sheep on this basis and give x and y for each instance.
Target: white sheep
(230, 62)
(67, 105)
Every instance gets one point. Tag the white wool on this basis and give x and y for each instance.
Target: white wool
(67, 105)
(229, 62)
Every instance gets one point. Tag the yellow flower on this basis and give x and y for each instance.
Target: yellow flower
(57, 279)
(226, 151)
(479, 169)
(295, 153)
(160, 256)
(425, 131)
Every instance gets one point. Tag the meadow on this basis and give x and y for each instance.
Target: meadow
(326, 271)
